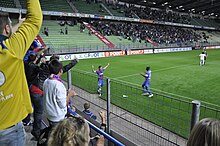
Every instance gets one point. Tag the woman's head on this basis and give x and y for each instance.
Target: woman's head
(73, 131)
(205, 133)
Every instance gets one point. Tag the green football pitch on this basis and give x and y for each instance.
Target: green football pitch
(177, 75)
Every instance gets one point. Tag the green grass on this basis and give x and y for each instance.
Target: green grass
(177, 79)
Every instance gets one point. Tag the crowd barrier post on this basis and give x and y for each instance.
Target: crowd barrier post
(195, 113)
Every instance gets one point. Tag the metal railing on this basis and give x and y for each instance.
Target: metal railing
(161, 120)
(95, 47)
(112, 139)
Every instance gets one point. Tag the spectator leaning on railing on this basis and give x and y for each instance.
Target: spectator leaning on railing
(15, 102)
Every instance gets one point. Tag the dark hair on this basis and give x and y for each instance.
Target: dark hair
(54, 57)
(31, 57)
(148, 68)
(4, 20)
(55, 66)
(99, 66)
(86, 105)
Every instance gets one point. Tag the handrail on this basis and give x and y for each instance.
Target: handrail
(112, 139)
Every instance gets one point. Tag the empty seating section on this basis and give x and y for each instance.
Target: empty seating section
(7, 3)
(55, 5)
(89, 8)
(75, 38)
(116, 10)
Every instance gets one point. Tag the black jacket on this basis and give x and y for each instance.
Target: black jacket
(44, 73)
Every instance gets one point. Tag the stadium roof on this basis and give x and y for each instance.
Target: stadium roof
(203, 7)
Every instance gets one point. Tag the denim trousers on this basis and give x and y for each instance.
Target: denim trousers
(146, 87)
(13, 136)
(37, 101)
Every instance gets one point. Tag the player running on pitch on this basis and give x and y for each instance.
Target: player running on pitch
(202, 59)
(146, 83)
(100, 73)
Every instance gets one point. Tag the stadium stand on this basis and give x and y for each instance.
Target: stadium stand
(75, 38)
(115, 9)
(118, 32)
(56, 5)
(89, 7)
(7, 4)
(205, 22)
(123, 33)
(138, 32)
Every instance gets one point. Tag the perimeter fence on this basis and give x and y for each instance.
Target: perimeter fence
(160, 120)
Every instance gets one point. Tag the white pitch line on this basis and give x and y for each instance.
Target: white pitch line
(168, 93)
(152, 71)
(86, 72)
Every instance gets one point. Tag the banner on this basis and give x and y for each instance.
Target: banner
(152, 42)
(135, 52)
(115, 53)
(99, 35)
(41, 40)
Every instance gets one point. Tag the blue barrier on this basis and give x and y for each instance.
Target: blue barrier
(112, 139)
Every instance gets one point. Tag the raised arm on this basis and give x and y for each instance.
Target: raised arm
(70, 65)
(106, 66)
(21, 40)
(93, 70)
(20, 21)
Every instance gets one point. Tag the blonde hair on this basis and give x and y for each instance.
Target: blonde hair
(205, 133)
(73, 131)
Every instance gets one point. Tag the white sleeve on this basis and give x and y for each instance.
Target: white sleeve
(61, 96)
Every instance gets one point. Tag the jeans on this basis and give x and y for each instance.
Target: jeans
(37, 101)
(52, 124)
(100, 84)
(146, 87)
(13, 136)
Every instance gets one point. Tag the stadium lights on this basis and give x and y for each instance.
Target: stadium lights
(180, 6)
(154, 3)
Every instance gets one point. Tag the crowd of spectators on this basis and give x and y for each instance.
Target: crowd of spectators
(156, 14)
(160, 34)
(43, 82)
(132, 11)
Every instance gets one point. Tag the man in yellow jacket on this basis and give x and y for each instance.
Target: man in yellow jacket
(15, 103)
